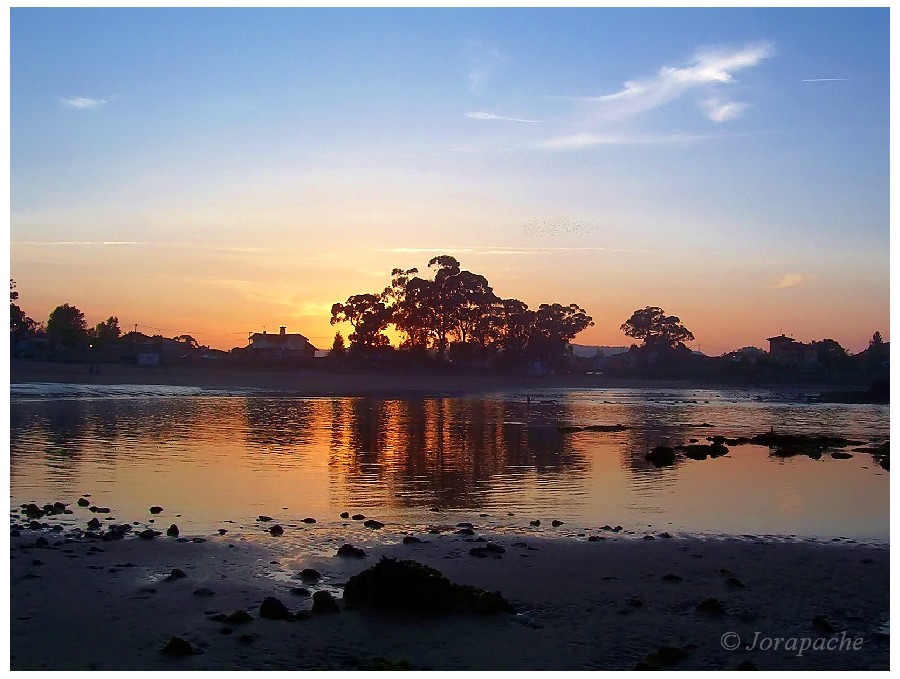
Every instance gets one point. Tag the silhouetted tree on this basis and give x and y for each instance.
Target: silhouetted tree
(66, 325)
(368, 315)
(105, 333)
(877, 352)
(654, 328)
(187, 340)
(832, 356)
(337, 346)
(554, 326)
(20, 324)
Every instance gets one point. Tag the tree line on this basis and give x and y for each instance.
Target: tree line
(456, 313)
(67, 328)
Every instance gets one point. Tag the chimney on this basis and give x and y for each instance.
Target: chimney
(282, 329)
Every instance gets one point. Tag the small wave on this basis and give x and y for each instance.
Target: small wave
(40, 391)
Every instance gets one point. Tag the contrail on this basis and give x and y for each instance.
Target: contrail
(821, 80)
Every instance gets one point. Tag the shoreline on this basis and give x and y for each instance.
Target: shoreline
(310, 383)
(580, 605)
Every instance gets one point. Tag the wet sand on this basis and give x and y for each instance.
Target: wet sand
(314, 383)
(81, 605)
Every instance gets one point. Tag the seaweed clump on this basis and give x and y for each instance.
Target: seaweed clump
(412, 586)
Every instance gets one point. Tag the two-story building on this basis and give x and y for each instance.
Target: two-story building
(788, 351)
(281, 345)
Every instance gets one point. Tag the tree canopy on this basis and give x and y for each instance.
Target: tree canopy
(458, 310)
(66, 325)
(652, 326)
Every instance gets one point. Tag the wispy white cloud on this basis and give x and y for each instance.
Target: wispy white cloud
(83, 102)
(209, 247)
(789, 280)
(485, 59)
(502, 251)
(710, 68)
(719, 111)
(482, 115)
(587, 140)
(822, 80)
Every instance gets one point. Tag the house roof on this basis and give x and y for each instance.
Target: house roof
(782, 338)
(286, 337)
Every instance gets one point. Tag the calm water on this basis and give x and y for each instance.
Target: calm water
(220, 459)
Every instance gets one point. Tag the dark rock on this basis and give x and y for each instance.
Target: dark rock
(435, 509)
(177, 574)
(671, 577)
(747, 665)
(372, 523)
(480, 552)
(556, 523)
(661, 456)
(309, 519)
(156, 509)
(273, 609)
(204, 592)
(37, 562)
(734, 582)
(15, 533)
(94, 523)
(495, 548)
(411, 540)
(595, 538)
(841, 456)
(665, 535)
(664, 657)
(310, 574)
(42, 542)
(606, 427)
(148, 534)
(178, 647)
(536, 522)
(464, 524)
(172, 531)
(711, 605)
(350, 550)
(226, 630)
(83, 502)
(323, 602)
(822, 625)
(409, 585)
(263, 517)
(648, 537)
(358, 517)
(635, 602)
(465, 531)
(300, 591)
(196, 540)
(276, 530)
(345, 515)
(239, 618)
(222, 531)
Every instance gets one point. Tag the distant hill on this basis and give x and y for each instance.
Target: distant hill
(584, 351)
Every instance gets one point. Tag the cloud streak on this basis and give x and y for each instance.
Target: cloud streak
(587, 140)
(83, 102)
(483, 115)
(720, 112)
(789, 280)
(822, 80)
(710, 68)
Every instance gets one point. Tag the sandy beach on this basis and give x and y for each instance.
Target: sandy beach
(611, 603)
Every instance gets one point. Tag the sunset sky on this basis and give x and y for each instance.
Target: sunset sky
(215, 172)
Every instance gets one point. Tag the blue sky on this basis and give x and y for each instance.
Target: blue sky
(252, 167)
